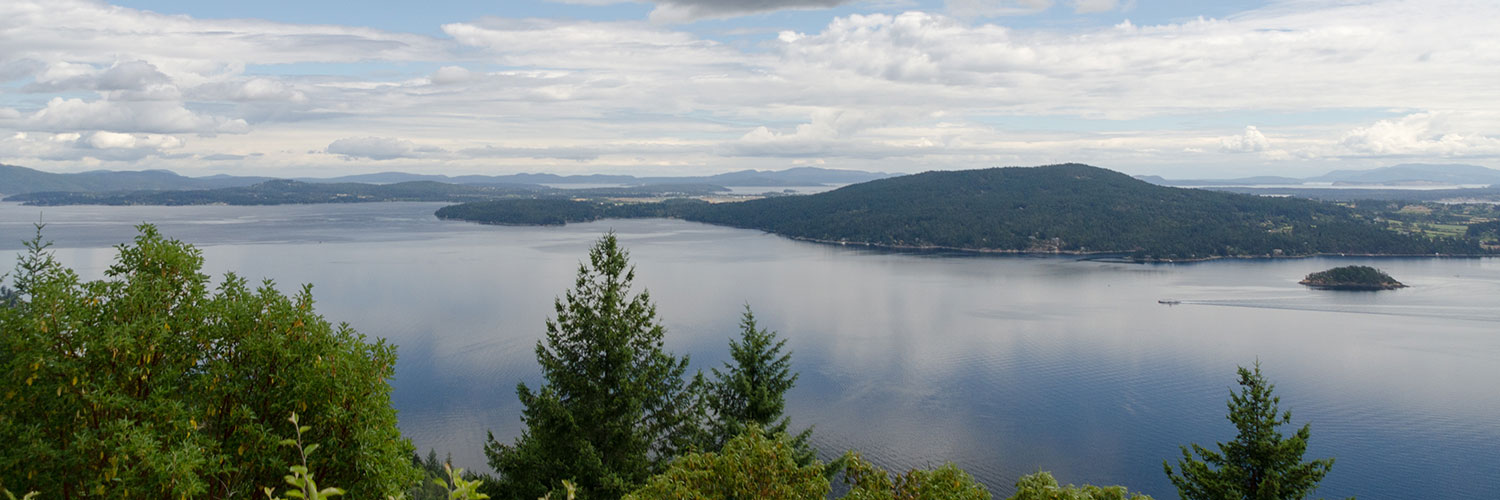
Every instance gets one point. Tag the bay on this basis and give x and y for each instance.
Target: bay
(1004, 365)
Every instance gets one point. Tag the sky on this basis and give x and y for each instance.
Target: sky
(1183, 89)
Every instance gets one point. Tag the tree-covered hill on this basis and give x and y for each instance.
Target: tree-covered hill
(1352, 278)
(17, 180)
(1070, 208)
(1058, 208)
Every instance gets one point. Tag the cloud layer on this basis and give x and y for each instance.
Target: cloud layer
(1291, 88)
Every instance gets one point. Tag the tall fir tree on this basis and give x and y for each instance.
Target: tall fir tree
(752, 391)
(1260, 463)
(614, 407)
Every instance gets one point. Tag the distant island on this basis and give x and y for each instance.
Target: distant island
(1070, 208)
(1352, 278)
(280, 192)
(1406, 174)
(1410, 182)
(15, 180)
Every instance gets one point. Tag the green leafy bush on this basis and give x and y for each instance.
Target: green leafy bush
(1042, 486)
(752, 465)
(948, 482)
(146, 382)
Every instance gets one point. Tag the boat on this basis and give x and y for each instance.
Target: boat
(1169, 302)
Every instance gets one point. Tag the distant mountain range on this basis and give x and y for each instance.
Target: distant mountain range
(1396, 175)
(282, 191)
(19, 180)
(800, 176)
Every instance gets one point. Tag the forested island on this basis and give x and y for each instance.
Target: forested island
(1070, 208)
(1352, 278)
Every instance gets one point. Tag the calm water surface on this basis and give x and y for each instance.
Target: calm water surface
(1004, 365)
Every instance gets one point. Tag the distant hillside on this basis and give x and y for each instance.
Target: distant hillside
(1070, 208)
(1408, 173)
(277, 192)
(1059, 208)
(20, 180)
(1415, 173)
(800, 176)
(1462, 195)
(17, 180)
(1240, 181)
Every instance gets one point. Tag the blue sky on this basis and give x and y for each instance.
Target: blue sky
(678, 87)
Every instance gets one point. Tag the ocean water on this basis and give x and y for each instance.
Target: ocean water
(1004, 365)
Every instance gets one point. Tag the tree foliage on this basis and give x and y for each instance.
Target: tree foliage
(1042, 486)
(1260, 463)
(754, 464)
(1352, 277)
(614, 406)
(751, 393)
(760, 465)
(948, 482)
(147, 382)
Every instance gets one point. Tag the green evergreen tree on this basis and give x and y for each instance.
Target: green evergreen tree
(614, 407)
(1260, 464)
(751, 393)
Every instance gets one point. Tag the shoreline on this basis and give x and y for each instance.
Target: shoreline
(1096, 256)
(1115, 256)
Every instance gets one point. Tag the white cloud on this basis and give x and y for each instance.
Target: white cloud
(73, 147)
(1363, 54)
(1419, 134)
(380, 148)
(451, 74)
(124, 80)
(180, 45)
(913, 91)
(681, 11)
(995, 8)
(111, 140)
(16, 69)
(149, 116)
(248, 90)
(587, 45)
(1251, 141)
(1093, 6)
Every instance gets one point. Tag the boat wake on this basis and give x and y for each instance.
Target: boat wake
(1300, 304)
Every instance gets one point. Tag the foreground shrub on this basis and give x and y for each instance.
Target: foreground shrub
(751, 465)
(1042, 486)
(147, 384)
(868, 482)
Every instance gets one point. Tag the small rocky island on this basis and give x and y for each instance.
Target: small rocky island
(1352, 278)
